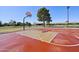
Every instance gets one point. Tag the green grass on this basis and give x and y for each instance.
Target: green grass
(10, 29)
(7, 29)
(18, 28)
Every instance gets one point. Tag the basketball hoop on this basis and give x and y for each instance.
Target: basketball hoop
(28, 14)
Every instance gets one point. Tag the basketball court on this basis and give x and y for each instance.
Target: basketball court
(41, 40)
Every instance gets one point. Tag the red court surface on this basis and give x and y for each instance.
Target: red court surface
(67, 40)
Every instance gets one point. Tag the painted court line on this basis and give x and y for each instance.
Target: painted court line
(65, 45)
(76, 36)
(53, 36)
(39, 35)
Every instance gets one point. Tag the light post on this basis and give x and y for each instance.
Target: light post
(28, 14)
(67, 15)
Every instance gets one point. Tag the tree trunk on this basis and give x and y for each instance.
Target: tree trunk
(44, 23)
(48, 24)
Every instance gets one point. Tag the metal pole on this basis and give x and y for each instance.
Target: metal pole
(68, 15)
(24, 23)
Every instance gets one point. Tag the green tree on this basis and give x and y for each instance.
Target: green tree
(19, 24)
(28, 24)
(0, 23)
(12, 23)
(6, 24)
(48, 22)
(44, 15)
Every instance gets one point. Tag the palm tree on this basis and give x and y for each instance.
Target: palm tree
(28, 14)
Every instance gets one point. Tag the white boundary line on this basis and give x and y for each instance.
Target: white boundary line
(55, 33)
(65, 28)
(53, 37)
(76, 36)
(73, 45)
(63, 45)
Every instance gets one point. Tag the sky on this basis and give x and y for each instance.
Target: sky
(58, 13)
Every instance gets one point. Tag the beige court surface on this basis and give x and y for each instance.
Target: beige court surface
(39, 35)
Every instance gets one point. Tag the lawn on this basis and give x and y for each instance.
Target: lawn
(7, 29)
(10, 29)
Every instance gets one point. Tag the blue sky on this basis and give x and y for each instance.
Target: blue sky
(58, 13)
